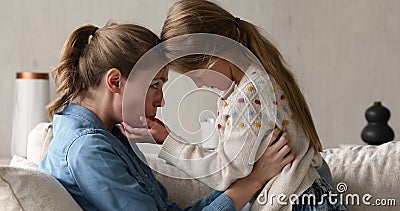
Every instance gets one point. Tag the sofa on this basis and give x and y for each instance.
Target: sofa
(366, 178)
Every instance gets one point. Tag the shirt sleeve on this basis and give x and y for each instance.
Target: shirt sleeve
(242, 125)
(104, 179)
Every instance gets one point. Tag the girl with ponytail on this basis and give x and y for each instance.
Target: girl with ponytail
(89, 154)
(243, 110)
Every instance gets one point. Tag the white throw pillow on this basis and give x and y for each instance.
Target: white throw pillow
(31, 189)
(18, 161)
(38, 142)
(367, 169)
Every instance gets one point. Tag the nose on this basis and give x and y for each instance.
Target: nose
(159, 100)
(162, 102)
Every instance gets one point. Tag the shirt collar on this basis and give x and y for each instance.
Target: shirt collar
(225, 94)
(83, 114)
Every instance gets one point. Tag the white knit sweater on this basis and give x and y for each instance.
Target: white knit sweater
(246, 114)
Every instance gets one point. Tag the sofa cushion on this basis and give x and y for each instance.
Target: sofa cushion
(38, 142)
(18, 161)
(367, 169)
(31, 189)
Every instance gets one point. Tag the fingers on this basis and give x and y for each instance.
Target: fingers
(272, 137)
(137, 134)
(288, 159)
(127, 127)
(131, 132)
(278, 144)
(284, 151)
(151, 122)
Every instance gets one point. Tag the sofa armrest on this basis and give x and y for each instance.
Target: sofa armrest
(31, 189)
(366, 169)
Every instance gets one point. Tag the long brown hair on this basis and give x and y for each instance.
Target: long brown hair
(201, 16)
(89, 52)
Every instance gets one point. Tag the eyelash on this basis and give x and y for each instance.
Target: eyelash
(155, 86)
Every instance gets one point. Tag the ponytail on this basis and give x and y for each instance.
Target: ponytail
(67, 75)
(90, 52)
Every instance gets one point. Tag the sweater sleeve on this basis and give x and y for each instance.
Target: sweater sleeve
(242, 123)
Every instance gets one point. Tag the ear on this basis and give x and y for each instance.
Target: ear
(114, 80)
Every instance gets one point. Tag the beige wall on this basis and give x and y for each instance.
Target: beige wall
(345, 54)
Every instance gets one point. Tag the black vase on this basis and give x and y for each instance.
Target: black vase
(377, 131)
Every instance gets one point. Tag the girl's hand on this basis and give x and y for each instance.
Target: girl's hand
(156, 132)
(271, 162)
(275, 157)
(157, 129)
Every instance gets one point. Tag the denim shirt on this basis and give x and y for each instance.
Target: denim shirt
(101, 171)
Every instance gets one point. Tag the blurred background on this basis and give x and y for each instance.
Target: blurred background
(344, 54)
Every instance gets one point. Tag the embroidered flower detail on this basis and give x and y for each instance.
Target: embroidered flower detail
(260, 81)
(228, 122)
(282, 97)
(271, 125)
(278, 115)
(241, 124)
(250, 88)
(258, 102)
(224, 103)
(219, 126)
(264, 115)
(292, 116)
(272, 90)
(241, 100)
(257, 125)
(232, 113)
(253, 73)
(275, 102)
(285, 122)
(250, 112)
(285, 109)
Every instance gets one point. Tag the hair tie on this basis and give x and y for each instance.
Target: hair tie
(94, 31)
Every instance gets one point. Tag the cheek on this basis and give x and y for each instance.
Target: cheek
(218, 81)
(198, 82)
(149, 100)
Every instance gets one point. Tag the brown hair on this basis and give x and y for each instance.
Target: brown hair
(89, 53)
(201, 16)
